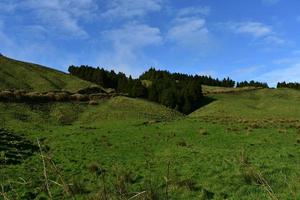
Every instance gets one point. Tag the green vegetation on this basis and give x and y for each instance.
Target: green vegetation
(21, 75)
(208, 90)
(244, 145)
(178, 91)
(255, 104)
(251, 84)
(288, 85)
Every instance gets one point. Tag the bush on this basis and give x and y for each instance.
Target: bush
(7, 96)
(93, 102)
(79, 97)
(62, 96)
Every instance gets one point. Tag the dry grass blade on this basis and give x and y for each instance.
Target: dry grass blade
(63, 185)
(45, 170)
(137, 195)
(3, 193)
(266, 186)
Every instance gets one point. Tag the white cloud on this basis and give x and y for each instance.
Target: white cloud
(257, 30)
(134, 36)
(128, 43)
(59, 16)
(200, 10)
(273, 39)
(189, 29)
(131, 8)
(288, 74)
(189, 32)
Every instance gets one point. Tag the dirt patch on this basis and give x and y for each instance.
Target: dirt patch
(14, 149)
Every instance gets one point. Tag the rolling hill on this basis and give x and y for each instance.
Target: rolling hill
(241, 145)
(263, 103)
(27, 76)
(205, 154)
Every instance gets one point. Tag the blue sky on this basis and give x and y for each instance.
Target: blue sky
(255, 39)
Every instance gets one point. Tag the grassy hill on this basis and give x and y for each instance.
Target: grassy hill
(124, 108)
(263, 103)
(243, 145)
(22, 75)
(208, 90)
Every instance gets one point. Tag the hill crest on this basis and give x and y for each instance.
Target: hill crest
(16, 74)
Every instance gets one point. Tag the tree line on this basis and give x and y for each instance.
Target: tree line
(288, 85)
(251, 84)
(178, 91)
(175, 90)
(152, 74)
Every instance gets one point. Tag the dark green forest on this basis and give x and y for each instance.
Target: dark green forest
(175, 90)
(251, 84)
(288, 85)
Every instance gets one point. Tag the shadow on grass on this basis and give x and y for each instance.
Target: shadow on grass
(206, 100)
(14, 149)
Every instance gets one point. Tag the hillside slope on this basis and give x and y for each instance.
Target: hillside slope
(208, 90)
(263, 103)
(124, 108)
(113, 110)
(27, 76)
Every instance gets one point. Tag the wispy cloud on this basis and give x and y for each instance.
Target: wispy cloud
(128, 43)
(289, 74)
(58, 16)
(189, 29)
(257, 30)
(131, 8)
(189, 32)
(198, 10)
(134, 36)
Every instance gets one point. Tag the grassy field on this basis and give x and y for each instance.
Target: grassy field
(21, 75)
(208, 90)
(256, 104)
(243, 145)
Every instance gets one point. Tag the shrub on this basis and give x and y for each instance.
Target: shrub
(79, 97)
(6, 95)
(62, 96)
(93, 102)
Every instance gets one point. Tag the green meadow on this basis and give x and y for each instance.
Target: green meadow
(127, 148)
(16, 74)
(243, 144)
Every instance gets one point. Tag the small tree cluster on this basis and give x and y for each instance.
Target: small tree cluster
(179, 91)
(183, 95)
(153, 74)
(109, 79)
(252, 84)
(288, 85)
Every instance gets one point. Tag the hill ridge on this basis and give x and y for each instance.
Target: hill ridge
(15, 74)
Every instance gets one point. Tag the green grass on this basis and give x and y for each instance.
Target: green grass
(27, 76)
(241, 146)
(208, 90)
(263, 103)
